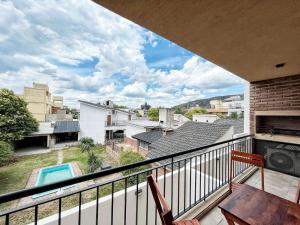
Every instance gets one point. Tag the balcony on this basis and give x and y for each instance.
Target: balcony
(191, 181)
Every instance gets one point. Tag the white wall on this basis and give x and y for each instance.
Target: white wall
(133, 129)
(205, 118)
(247, 108)
(92, 121)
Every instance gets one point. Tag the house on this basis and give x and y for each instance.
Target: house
(134, 127)
(102, 122)
(190, 135)
(49, 134)
(205, 118)
(40, 101)
(145, 139)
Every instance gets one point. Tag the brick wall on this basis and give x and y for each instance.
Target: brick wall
(132, 142)
(275, 94)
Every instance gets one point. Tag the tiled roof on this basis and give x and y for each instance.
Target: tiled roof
(238, 124)
(149, 137)
(66, 127)
(189, 136)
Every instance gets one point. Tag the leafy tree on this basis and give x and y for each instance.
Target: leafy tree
(179, 110)
(86, 143)
(234, 115)
(189, 114)
(74, 112)
(153, 114)
(15, 119)
(128, 157)
(6, 153)
(94, 162)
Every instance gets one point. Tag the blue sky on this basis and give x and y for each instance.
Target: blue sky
(83, 51)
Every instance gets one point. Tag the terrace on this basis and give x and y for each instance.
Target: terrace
(257, 41)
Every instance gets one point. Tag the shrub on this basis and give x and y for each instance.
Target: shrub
(86, 143)
(5, 153)
(128, 157)
(94, 163)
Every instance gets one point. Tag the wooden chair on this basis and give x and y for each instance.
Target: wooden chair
(163, 208)
(244, 157)
(298, 194)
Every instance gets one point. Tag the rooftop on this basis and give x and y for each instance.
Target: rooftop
(189, 136)
(150, 136)
(144, 123)
(238, 124)
(98, 105)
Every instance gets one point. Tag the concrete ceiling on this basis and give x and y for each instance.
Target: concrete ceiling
(247, 37)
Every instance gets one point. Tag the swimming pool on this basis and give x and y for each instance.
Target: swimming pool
(53, 174)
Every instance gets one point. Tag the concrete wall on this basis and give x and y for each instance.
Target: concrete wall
(133, 129)
(92, 123)
(205, 118)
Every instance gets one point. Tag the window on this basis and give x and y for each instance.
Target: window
(143, 145)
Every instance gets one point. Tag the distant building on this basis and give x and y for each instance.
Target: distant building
(205, 118)
(233, 104)
(144, 109)
(40, 102)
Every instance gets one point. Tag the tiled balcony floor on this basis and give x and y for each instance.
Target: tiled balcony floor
(276, 183)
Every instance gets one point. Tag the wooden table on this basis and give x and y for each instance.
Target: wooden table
(248, 205)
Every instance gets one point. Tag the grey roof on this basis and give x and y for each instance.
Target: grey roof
(66, 127)
(238, 124)
(149, 137)
(189, 136)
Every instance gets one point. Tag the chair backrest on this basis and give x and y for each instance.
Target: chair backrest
(162, 206)
(244, 157)
(298, 194)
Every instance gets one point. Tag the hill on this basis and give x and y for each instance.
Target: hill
(204, 103)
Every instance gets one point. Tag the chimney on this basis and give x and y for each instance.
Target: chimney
(167, 131)
(166, 117)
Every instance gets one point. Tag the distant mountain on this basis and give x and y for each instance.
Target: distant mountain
(204, 103)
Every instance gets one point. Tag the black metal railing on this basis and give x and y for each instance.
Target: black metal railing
(185, 178)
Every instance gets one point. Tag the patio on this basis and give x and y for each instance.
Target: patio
(276, 183)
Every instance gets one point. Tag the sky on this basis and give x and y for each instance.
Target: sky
(86, 52)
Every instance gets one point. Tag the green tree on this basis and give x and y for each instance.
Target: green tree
(6, 153)
(179, 110)
(86, 143)
(94, 162)
(153, 114)
(234, 115)
(15, 119)
(128, 157)
(72, 111)
(189, 114)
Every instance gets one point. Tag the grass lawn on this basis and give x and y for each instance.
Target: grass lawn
(75, 154)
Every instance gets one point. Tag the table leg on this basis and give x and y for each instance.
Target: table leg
(228, 218)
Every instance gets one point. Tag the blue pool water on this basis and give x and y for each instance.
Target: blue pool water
(53, 174)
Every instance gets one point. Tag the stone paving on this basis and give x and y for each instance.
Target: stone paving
(279, 184)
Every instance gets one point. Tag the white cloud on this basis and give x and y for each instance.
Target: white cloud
(48, 43)
(137, 89)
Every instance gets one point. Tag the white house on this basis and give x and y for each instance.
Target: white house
(233, 104)
(102, 122)
(205, 118)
